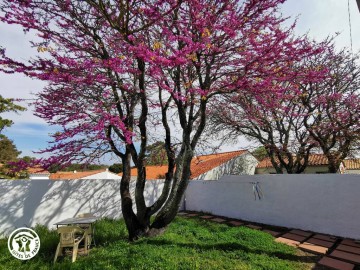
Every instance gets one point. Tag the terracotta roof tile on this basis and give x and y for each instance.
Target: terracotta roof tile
(37, 170)
(316, 160)
(203, 164)
(352, 164)
(199, 165)
(152, 172)
(73, 175)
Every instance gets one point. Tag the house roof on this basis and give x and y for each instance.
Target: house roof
(199, 165)
(73, 175)
(316, 160)
(352, 164)
(152, 172)
(103, 175)
(37, 170)
(203, 164)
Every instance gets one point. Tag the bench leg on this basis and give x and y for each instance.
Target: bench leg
(75, 251)
(57, 252)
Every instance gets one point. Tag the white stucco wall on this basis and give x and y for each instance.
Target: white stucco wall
(243, 164)
(39, 176)
(322, 203)
(28, 202)
(352, 171)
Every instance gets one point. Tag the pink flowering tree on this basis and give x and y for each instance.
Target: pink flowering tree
(332, 105)
(120, 72)
(280, 130)
(317, 110)
(275, 118)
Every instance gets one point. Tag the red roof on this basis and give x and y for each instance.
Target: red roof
(199, 165)
(203, 164)
(316, 160)
(37, 170)
(73, 175)
(152, 172)
(352, 164)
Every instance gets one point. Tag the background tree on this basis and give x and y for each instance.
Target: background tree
(280, 129)
(28, 159)
(275, 119)
(7, 105)
(156, 154)
(116, 168)
(315, 112)
(8, 153)
(75, 167)
(259, 153)
(333, 105)
(116, 70)
(8, 150)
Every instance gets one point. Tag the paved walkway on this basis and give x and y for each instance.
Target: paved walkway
(336, 252)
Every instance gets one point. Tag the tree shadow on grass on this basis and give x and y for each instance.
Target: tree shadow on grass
(231, 246)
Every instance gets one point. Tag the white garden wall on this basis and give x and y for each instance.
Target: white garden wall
(28, 202)
(327, 203)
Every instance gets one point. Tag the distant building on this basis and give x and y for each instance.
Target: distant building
(210, 167)
(317, 164)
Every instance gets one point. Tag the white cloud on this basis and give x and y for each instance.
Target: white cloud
(321, 18)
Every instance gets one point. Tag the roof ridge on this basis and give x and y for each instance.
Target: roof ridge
(228, 152)
(77, 171)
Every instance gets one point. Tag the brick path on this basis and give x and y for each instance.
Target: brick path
(336, 253)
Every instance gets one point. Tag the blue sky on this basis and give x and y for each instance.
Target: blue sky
(319, 18)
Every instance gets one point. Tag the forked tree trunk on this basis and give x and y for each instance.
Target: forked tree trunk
(138, 225)
(135, 228)
(168, 212)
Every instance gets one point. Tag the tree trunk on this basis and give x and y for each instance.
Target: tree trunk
(333, 167)
(333, 162)
(181, 180)
(135, 227)
(139, 225)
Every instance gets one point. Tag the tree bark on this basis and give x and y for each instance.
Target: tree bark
(135, 227)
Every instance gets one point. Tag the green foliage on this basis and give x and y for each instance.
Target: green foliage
(7, 105)
(49, 240)
(76, 167)
(187, 244)
(8, 150)
(116, 168)
(260, 153)
(28, 159)
(84, 167)
(156, 154)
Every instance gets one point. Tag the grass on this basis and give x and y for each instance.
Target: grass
(187, 244)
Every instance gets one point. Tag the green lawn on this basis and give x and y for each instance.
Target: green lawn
(187, 244)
